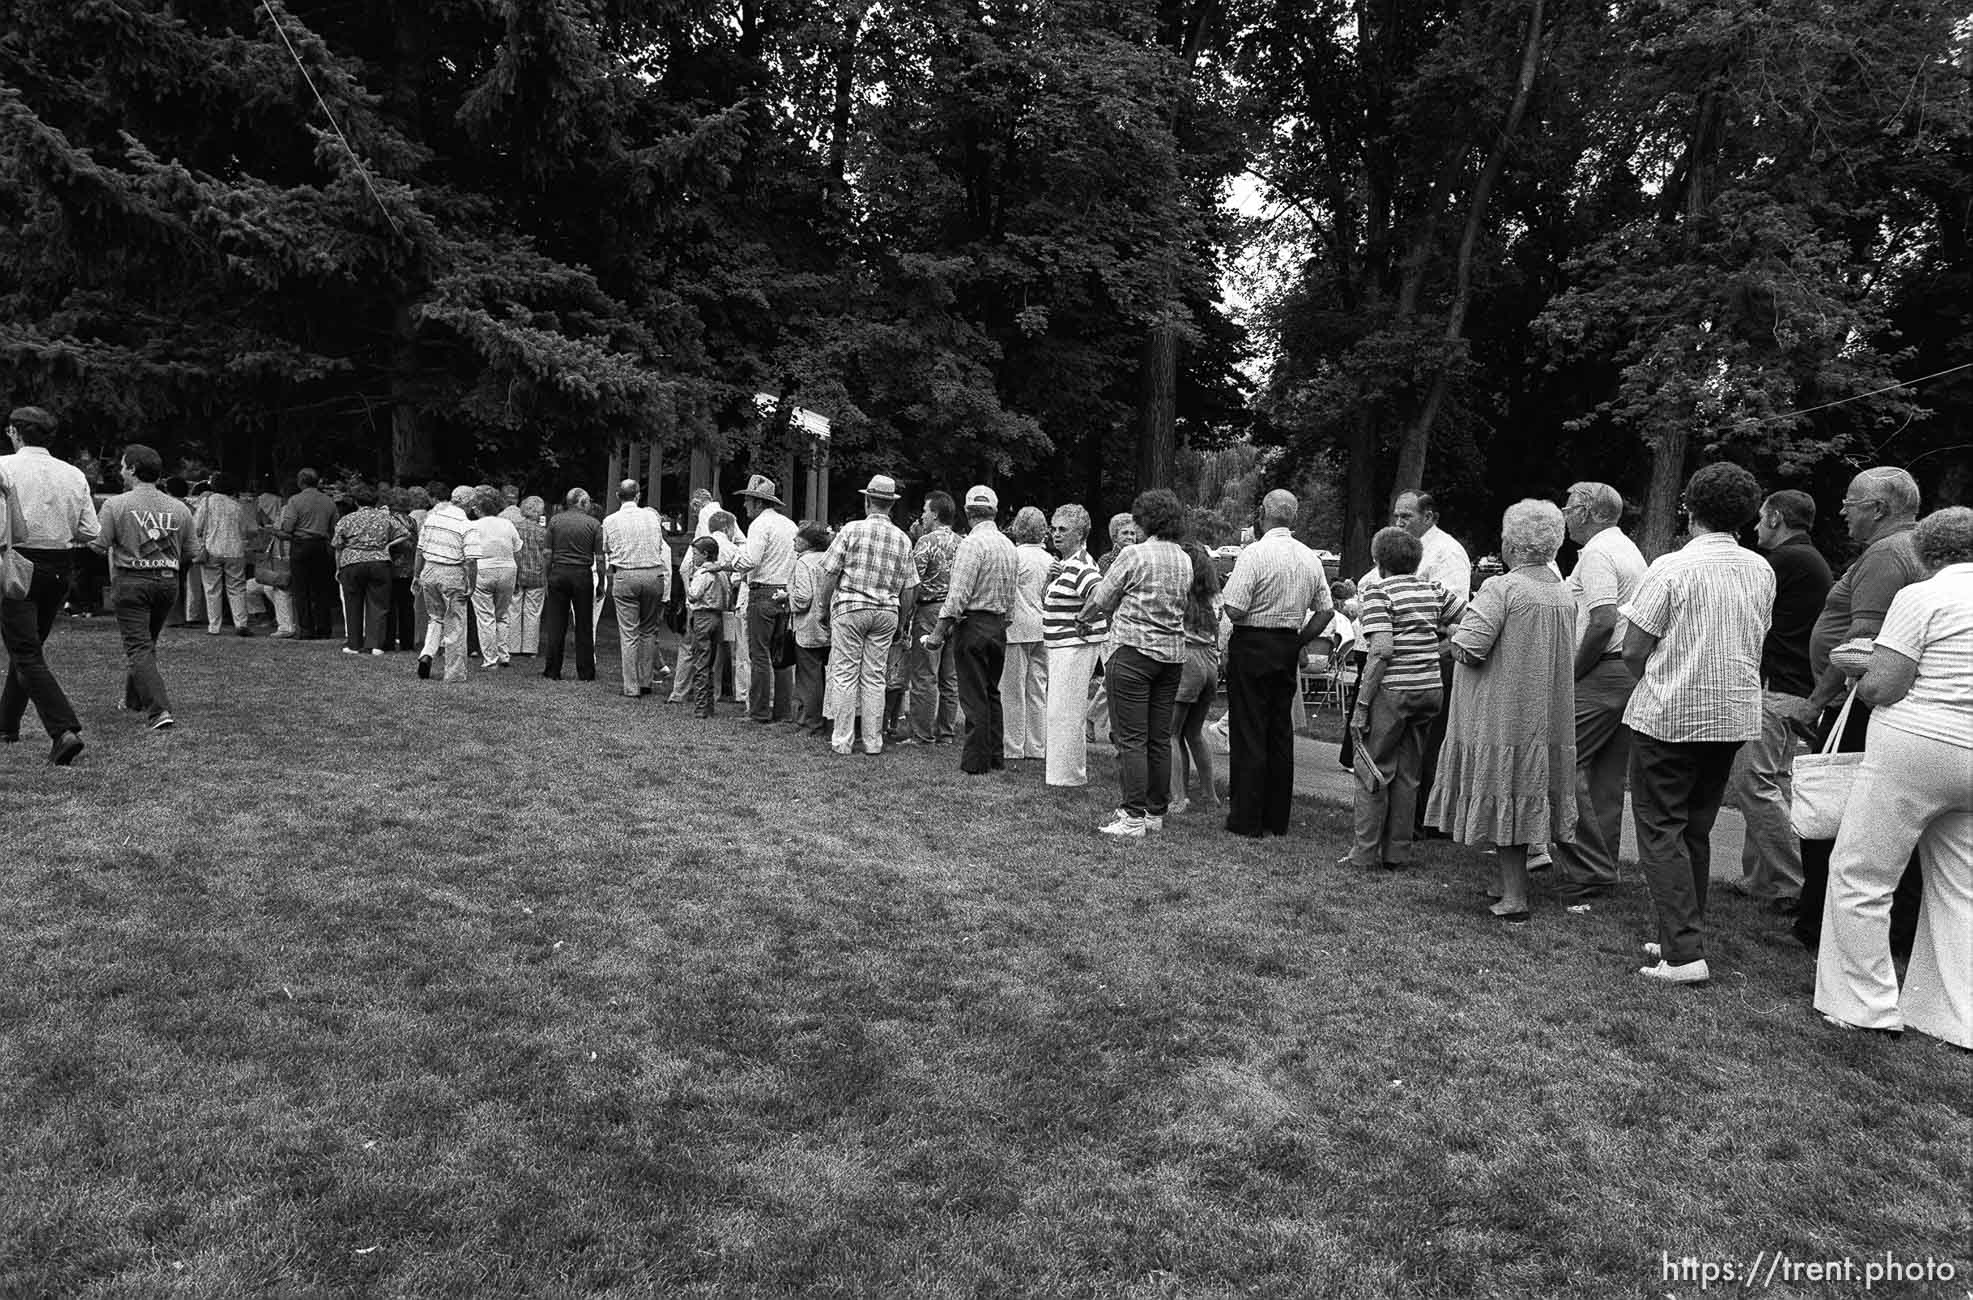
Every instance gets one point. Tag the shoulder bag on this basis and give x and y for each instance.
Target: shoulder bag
(1823, 781)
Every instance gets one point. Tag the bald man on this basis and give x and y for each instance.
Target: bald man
(1277, 585)
(1880, 510)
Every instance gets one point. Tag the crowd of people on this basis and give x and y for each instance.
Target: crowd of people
(1513, 718)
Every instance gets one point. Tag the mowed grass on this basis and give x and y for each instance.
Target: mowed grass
(361, 985)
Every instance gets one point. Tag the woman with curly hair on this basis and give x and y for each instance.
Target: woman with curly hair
(1914, 788)
(1145, 594)
(1507, 773)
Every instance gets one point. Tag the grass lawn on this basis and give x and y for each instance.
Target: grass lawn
(361, 985)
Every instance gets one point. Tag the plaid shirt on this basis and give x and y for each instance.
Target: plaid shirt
(871, 559)
(984, 571)
(1147, 588)
(1277, 582)
(531, 561)
(1709, 606)
(933, 558)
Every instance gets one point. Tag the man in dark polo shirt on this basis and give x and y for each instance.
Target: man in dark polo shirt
(307, 523)
(1880, 510)
(1761, 785)
(575, 541)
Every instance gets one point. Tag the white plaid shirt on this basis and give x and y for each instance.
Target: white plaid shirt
(872, 560)
(1708, 604)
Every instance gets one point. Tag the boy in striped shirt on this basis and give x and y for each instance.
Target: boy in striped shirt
(1404, 623)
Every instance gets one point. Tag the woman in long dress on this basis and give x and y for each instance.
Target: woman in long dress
(1507, 772)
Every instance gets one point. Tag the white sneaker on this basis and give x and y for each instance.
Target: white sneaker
(1653, 951)
(1126, 825)
(1691, 972)
(1540, 858)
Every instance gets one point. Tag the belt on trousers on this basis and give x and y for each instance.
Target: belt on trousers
(1609, 655)
(445, 564)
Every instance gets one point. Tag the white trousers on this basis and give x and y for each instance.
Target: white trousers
(1024, 701)
(524, 620)
(226, 575)
(1070, 668)
(1909, 791)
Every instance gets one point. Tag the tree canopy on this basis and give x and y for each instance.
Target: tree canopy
(1511, 243)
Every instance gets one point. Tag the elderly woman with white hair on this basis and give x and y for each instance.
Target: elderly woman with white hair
(530, 575)
(1507, 774)
(1913, 789)
(1024, 674)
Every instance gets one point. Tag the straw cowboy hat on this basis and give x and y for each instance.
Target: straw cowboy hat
(882, 488)
(761, 488)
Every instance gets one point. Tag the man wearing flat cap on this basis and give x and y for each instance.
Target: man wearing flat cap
(868, 581)
(974, 616)
(639, 561)
(767, 562)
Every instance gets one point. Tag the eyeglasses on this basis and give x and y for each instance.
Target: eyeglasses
(1851, 503)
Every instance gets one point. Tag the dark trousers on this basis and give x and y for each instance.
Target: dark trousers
(143, 600)
(1142, 693)
(24, 628)
(1675, 792)
(1815, 862)
(811, 678)
(768, 687)
(1434, 741)
(366, 601)
(571, 596)
(404, 630)
(702, 639)
(1260, 759)
(979, 652)
(314, 584)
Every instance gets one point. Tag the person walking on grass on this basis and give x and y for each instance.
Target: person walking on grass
(1697, 622)
(1404, 620)
(1073, 648)
(974, 619)
(1276, 591)
(639, 560)
(45, 511)
(1608, 568)
(147, 536)
(445, 579)
(868, 583)
(495, 545)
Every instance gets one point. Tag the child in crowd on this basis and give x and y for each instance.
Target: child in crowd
(705, 609)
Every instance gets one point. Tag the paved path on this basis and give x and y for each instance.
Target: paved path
(1318, 773)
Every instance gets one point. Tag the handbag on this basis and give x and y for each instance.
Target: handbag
(16, 574)
(273, 568)
(1823, 781)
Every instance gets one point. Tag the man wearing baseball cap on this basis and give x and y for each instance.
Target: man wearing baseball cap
(767, 562)
(868, 581)
(45, 509)
(974, 616)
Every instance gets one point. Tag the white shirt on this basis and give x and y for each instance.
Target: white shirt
(769, 555)
(1708, 604)
(1442, 560)
(495, 543)
(48, 500)
(634, 538)
(1607, 572)
(1276, 583)
(1931, 624)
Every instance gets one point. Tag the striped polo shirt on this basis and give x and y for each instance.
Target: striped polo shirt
(1074, 579)
(1708, 604)
(1411, 611)
(442, 537)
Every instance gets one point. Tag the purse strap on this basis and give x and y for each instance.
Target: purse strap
(1835, 737)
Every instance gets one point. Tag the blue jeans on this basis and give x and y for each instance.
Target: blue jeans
(1142, 691)
(143, 599)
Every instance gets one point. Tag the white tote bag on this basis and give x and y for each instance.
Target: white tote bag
(1823, 781)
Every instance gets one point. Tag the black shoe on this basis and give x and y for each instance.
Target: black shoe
(66, 747)
(424, 668)
(243, 631)
(1784, 906)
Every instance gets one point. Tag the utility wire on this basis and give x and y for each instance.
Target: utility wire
(361, 170)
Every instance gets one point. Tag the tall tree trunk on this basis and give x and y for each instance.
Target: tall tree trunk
(1361, 515)
(414, 456)
(1417, 440)
(844, 97)
(1157, 412)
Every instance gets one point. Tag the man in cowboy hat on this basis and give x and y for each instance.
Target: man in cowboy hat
(767, 562)
(868, 582)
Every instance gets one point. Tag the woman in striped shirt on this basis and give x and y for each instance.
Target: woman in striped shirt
(1072, 648)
